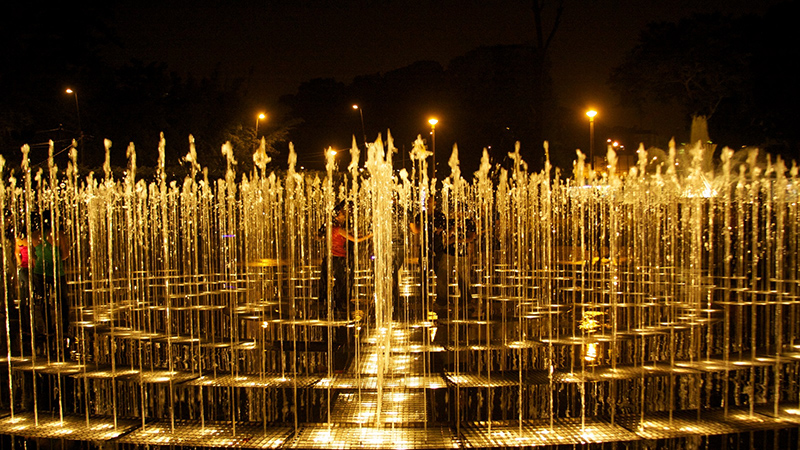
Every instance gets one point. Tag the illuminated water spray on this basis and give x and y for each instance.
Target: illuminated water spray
(504, 308)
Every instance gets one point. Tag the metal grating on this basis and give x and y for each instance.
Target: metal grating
(159, 376)
(255, 381)
(43, 366)
(371, 382)
(97, 372)
(72, 427)
(396, 364)
(346, 437)
(397, 406)
(572, 432)
(683, 423)
(787, 412)
(213, 434)
(468, 380)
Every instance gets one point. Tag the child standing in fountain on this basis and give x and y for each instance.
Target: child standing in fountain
(50, 250)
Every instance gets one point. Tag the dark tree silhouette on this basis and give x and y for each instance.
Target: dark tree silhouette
(700, 62)
(732, 70)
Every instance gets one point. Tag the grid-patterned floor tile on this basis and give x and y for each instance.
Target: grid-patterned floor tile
(346, 437)
(50, 426)
(562, 433)
(397, 406)
(213, 434)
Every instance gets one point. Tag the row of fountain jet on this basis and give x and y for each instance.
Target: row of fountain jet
(658, 303)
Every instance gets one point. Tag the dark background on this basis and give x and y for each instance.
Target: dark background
(207, 68)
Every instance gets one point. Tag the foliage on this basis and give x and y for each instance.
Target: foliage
(244, 142)
(700, 61)
(49, 49)
(736, 71)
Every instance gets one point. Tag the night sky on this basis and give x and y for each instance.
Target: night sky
(282, 44)
(278, 45)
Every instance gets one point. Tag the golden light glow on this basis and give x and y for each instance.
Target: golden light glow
(355, 106)
(69, 91)
(433, 121)
(591, 113)
(262, 116)
(589, 323)
(591, 352)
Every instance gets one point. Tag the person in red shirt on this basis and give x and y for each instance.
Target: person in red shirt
(23, 263)
(340, 262)
(23, 281)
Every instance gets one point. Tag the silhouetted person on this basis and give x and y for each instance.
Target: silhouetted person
(50, 286)
(8, 290)
(428, 225)
(454, 262)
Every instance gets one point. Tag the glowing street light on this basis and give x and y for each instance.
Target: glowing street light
(591, 113)
(433, 121)
(259, 117)
(77, 111)
(363, 130)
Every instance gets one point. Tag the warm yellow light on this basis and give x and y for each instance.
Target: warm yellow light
(433, 121)
(262, 116)
(591, 113)
(69, 91)
(333, 152)
(591, 352)
(355, 106)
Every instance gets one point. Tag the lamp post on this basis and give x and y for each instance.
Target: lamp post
(433, 121)
(77, 112)
(363, 130)
(259, 117)
(591, 113)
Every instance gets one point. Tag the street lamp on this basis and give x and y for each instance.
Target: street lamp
(433, 121)
(259, 117)
(363, 130)
(591, 113)
(78, 112)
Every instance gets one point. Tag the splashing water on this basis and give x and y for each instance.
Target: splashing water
(638, 305)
